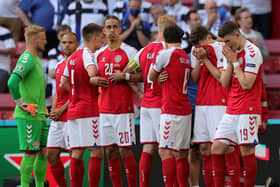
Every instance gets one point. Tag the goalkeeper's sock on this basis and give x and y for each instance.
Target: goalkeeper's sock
(40, 170)
(26, 168)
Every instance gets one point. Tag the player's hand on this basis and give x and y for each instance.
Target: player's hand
(27, 107)
(117, 76)
(99, 81)
(163, 76)
(55, 113)
(262, 127)
(229, 54)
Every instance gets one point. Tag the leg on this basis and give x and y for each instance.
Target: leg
(182, 167)
(233, 165)
(114, 164)
(94, 169)
(194, 160)
(168, 167)
(205, 151)
(77, 168)
(130, 166)
(249, 164)
(40, 167)
(26, 168)
(145, 164)
(218, 150)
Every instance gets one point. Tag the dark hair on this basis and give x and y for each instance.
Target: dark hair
(111, 17)
(187, 17)
(63, 28)
(91, 29)
(228, 28)
(173, 34)
(71, 33)
(198, 34)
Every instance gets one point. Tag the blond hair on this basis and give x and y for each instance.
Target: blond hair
(165, 21)
(239, 11)
(32, 30)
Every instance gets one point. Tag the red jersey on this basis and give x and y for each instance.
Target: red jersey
(175, 61)
(62, 95)
(210, 91)
(247, 101)
(116, 98)
(146, 59)
(83, 95)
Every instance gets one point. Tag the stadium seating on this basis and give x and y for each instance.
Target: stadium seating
(7, 106)
(272, 77)
(20, 47)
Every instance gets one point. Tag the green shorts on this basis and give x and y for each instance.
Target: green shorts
(33, 134)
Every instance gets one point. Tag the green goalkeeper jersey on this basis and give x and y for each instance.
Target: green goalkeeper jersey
(31, 85)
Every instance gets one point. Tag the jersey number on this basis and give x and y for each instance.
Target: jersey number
(186, 80)
(72, 80)
(243, 134)
(109, 68)
(148, 78)
(124, 137)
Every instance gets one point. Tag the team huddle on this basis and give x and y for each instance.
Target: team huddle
(93, 107)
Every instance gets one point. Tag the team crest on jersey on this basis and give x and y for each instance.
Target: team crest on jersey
(150, 55)
(118, 58)
(72, 62)
(20, 67)
(36, 144)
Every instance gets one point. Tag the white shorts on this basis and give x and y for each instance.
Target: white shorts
(207, 119)
(117, 129)
(239, 129)
(57, 137)
(149, 125)
(175, 132)
(84, 133)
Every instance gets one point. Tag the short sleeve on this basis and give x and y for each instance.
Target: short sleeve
(66, 71)
(193, 59)
(130, 51)
(24, 65)
(220, 57)
(253, 60)
(162, 60)
(88, 58)
(25, 5)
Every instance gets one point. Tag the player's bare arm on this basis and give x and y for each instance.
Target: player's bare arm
(195, 74)
(153, 75)
(246, 80)
(163, 76)
(56, 113)
(226, 75)
(64, 83)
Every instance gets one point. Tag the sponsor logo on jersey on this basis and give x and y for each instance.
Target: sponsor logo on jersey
(250, 65)
(118, 58)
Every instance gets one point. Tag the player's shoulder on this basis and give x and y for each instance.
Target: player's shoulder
(59, 63)
(128, 48)
(26, 57)
(101, 50)
(252, 51)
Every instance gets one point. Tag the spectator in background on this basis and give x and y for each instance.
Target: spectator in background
(212, 18)
(244, 19)
(261, 11)
(192, 20)
(80, 13)
(136, 32)
(55, 55)
(9, 18)
(176, 9)
(41, 13)
(231, 5)
(60, 8)
(7, 47)
(156, 11)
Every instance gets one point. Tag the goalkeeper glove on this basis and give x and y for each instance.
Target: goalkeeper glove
(31, 108)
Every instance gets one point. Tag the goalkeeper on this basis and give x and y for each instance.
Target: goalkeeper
(27, 86)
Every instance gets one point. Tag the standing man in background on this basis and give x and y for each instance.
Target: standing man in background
(27, 86)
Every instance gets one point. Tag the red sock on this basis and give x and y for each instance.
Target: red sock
(169, 171)
(131, 170)
(76, 172)
(58, 173)
(145, 169)
(207, 170)
(183, 169)
(115, 170)
(94, 171)
(219, 169)
(233, 167)
(249, 170)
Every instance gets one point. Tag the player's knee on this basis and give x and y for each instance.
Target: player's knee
(53, 156)
(96, 153)
(124, 152)
(112, 152)
(218, 147)
(149, 148)
(205, 149)
(247, 149)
